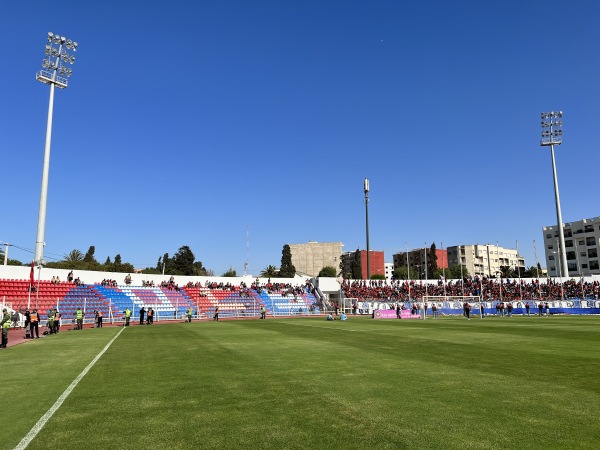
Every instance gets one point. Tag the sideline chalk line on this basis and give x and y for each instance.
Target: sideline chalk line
(40, 424)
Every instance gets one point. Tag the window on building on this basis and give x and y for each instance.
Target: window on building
(551, 258)
(589, 228)
(568, 233)
(552, 269)
(568, 243)
(594, 265)
(592, 253)
(584, 266)
(590, 241)
(548, 236)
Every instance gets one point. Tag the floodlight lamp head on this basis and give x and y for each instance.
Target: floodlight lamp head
(366, 185)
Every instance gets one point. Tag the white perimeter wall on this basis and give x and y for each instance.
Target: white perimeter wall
(91, 277)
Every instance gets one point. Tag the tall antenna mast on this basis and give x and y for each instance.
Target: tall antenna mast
(247, 250)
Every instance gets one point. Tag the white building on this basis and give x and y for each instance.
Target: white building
(484, 260)
(311, 257)
(389, 270)
(581, 243)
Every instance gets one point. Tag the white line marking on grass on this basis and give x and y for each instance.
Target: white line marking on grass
(325, 328)
(40, 424)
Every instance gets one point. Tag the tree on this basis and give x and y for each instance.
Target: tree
(183, 261)
(199, 269)
(328, 271)
(107, 263)
(166, 263)
(287, 269)
(402, 273)
(507, 272)
(269, 272)
(432, 261)
(73, 256)
(532, 272)
(89, 256)
(230, 273)
(454, 272)
(356, 266)
(377, 276)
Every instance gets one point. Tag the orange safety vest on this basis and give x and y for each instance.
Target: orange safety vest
(99, 313)
(150, 313)
(33, 317)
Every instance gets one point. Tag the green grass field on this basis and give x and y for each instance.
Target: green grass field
(307, 383)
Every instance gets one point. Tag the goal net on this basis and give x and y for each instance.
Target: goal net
(455, 304)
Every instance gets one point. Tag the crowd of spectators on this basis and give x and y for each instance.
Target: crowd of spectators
(487, 288)
(107, 282)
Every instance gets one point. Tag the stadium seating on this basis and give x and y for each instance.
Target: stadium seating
(167, 302)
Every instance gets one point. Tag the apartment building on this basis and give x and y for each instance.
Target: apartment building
(484, 260)
(582, 246)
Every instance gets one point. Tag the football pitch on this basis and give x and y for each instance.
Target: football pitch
(297, 383)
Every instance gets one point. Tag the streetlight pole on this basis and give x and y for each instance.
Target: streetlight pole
(54, 71)
(551, 136)
(366, 189)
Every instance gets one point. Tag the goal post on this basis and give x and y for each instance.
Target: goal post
(452, 303)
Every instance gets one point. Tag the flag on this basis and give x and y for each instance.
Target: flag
(31, 275)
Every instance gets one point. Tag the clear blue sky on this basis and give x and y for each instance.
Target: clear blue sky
(200, 123)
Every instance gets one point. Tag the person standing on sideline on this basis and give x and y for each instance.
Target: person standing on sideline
(540, 309)
(467, 311)
(189, 314)
(527, 308)
(482, 310)
(34, 320)
(434, 310)
(57, 317)
(50, 321)
(547, 306)
(99, 318)
(150, 316)
(216, 316)
(127, 313)
(79, 317)
(5, 324)
(263, 312)
(142, 313)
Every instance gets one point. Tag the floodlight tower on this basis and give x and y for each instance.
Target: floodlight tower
(366, 189)
(55, 72)
(551, 136)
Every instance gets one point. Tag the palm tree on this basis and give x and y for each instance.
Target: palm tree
(73, 256)
(269, 271)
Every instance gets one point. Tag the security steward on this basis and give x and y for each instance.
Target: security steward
(127, 316)
(189, 314)
(79, 317)
(34, 320)
(6, 319)
(99, 319)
